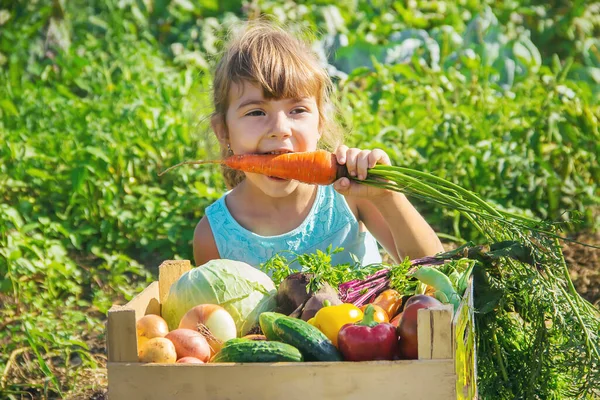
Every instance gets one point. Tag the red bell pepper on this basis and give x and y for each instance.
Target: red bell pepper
(368, 340)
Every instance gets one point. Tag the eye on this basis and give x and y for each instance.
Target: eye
(299, 110)
(255, 113)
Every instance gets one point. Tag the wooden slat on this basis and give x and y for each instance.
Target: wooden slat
(169, 272)
(427, 380)
(434, 332)
(121, 339)
(146, 302)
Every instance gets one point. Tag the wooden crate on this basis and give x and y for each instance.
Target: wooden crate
(445, 368)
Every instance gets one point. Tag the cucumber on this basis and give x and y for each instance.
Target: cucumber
(233, 341)
(250, 351)
(312, 343)
(266, 321)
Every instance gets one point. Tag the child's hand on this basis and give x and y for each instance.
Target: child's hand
(357, 162)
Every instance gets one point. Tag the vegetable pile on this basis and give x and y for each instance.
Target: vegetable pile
(336, 331)
(308, 321)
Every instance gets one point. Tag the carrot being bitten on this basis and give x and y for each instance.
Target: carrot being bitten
(314, 167)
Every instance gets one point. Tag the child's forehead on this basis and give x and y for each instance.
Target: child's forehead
(244, 88)
(241, 91)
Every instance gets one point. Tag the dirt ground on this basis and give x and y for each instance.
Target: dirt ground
(584, 266)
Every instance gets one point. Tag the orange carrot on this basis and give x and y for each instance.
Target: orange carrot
(315, 167)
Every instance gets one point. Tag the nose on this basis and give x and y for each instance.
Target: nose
(281, 126)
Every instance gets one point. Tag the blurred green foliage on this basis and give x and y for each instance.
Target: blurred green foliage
(96, 97)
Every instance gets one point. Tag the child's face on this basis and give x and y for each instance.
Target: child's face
(257, 125)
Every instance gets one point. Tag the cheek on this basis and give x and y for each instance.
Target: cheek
(312, 132)
(313, 140)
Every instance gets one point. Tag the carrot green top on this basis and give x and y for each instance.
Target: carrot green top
(330, 222)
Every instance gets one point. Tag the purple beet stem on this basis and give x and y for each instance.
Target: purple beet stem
(373, 285)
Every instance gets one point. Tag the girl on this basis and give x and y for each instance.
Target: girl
(272, 96)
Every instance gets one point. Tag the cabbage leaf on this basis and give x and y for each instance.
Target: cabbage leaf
(242, 290)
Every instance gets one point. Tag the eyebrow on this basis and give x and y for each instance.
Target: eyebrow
(250, 102)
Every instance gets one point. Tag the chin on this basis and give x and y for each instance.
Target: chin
(272, 187)
(279, 189)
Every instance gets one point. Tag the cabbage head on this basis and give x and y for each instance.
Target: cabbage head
(244, 291)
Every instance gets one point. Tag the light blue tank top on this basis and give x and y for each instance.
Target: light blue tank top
(330, 222)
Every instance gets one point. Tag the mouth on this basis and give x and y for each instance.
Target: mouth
(277, 152)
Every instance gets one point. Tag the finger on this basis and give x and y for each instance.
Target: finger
(340, 154)
(342, 185)
(378, 156)
(351, 158)
(362, 163)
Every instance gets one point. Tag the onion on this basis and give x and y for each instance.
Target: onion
(189, 343)
(212, 321)
(151, 326)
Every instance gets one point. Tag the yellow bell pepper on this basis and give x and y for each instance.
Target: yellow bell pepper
(330, 319)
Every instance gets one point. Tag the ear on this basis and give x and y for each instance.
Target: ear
(219, 128)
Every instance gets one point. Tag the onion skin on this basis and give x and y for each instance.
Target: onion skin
(219, 323)
(151, 326)
(189, 343)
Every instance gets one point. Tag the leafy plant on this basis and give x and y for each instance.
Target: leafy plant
(318, 264)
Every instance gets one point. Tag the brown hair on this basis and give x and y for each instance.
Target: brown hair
(281, 64)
